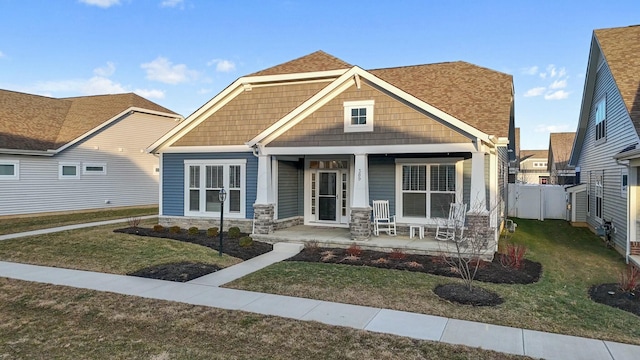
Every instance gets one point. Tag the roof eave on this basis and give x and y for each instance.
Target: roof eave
(28, 152)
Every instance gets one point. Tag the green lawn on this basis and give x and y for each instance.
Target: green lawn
(10, 225)
(573, 259)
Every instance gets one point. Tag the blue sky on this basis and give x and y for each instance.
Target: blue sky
(181, 53)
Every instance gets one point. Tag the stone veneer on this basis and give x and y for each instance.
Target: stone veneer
(245, 225)
(479, 225)
(360, 224)
(263, 219)
(288, 222)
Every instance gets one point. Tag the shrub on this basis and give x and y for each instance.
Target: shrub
(133, 221)
(628, 280)
(158, 228)
(380, 261)
(193, 230)
(397, 254)
(234, 232)
(413, 265)
(174, 229)
(513, 256)
(312, 246)
(327, 255)
(245, 242)
(354, 250)
(212, 231)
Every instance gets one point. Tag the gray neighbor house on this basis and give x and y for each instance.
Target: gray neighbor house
(606, 154)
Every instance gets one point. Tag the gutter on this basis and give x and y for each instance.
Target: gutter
(28, 152)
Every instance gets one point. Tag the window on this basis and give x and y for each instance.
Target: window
(358, 116)
(624, 181)
(427, 190)
(203, 182)
(94, 169)
(68, 170)
(601, 119)
(540, 164)
(9, 170)
(599, 194)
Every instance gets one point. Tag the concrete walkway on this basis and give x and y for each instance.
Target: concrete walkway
(205, 291)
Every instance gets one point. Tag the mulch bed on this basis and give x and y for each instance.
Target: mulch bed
(460, 294)
(180, 272)
(492, 272)
(230, 246)
(612, 295)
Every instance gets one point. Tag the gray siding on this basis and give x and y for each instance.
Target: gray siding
(581, 206)
(466, 182)
(129, 178)
(594, 158)
(173, 179)
(382, 180)
(503, 169)
(289, 189)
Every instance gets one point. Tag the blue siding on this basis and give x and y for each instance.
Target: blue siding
(173, 179)
(382, 180)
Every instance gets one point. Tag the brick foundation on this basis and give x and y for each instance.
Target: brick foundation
(360, 224)
(263, 219)
(635, 248)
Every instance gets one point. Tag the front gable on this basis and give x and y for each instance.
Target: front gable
(394, 122)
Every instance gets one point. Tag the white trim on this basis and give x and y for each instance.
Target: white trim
(374, 149)
(294, 76)
(92, 172)
(27, 152)
(16, 170)
(160, 183)
(368, 105)
(207, 149)
(216, 162)
(62, 165)
(447, 160)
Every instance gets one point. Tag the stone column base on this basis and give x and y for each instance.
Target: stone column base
(263, 218)
(479, 228)
(360, 224)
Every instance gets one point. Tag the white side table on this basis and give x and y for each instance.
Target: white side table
(412, 231)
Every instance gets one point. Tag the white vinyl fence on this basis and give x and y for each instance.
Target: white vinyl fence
(532, 201)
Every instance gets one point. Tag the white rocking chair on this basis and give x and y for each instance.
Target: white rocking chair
(382, 221)
(454, 225)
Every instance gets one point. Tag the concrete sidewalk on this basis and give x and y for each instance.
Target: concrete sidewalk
(419, 326)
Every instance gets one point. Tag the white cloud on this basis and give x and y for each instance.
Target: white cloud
(150, 94)
(530, 70)
(536, 91)
(557, 95)
(222, 65)
(558, 84)
(172, 3)
(93, 86)
(105, 71)
(543, 128)
(163, 70)
(204, 91)
(2, 55)
(101, 3)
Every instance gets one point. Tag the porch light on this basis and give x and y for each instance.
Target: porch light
(222, 196)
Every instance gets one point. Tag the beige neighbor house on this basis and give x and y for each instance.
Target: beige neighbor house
(606, 154)
(78, 153)
(314, 140)
(560, 171)
(533, 167)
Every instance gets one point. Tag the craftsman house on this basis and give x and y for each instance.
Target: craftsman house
(315, 140)
(606, 154)
(78, 153)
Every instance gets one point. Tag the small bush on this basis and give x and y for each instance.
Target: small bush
(175, 229)
(380, 261)
(193, 230)
(133, 221)
(397, 254)
(312, 246)
(158, 228)
(628, 280)
(327, 255)
(354, 250)
(513, 256)
(245, 242)
(234, 232)
(350, 258)
(212, 231)
(413, 265)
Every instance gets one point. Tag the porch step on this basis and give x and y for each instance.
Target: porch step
(288, 247)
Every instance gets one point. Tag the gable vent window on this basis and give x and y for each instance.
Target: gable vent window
(68, 171)
(358, 116)
(9, 170)
(601, 120)
(94, 169)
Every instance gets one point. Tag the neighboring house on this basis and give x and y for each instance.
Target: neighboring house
(514, 163)
(533, 167)
(78, 153)
(560, 171)
(314, 140)
(606, 153)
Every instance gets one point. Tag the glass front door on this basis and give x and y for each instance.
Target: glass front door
(327, 195)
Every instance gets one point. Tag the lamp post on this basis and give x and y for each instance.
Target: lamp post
(222, 196)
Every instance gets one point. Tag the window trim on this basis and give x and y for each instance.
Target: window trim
(458, 164)
(624, 182)
(603, 128)
(62, 165)
(359, 104)
(91, 172)
(225, 163)
(599, 196)
(16, 169)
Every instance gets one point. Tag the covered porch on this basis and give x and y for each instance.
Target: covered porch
(334, 237)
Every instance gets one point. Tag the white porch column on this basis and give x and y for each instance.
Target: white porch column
(360, 189)
(264, 195)
(632, 211)
(477, 196)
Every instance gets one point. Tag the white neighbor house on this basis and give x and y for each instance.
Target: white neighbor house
(78, 153)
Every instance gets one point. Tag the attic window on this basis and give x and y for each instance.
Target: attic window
(358, 116)
(9, 170)
(601, 120)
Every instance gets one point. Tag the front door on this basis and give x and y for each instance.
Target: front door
(327, 195)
